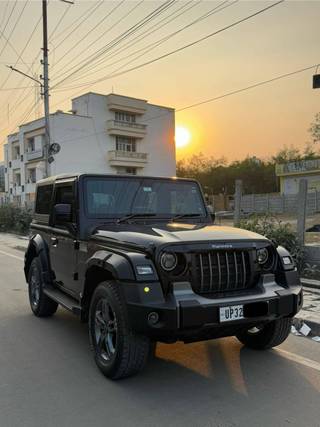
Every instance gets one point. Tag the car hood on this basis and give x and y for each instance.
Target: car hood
(172, 233)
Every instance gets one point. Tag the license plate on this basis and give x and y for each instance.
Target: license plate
(233, 312)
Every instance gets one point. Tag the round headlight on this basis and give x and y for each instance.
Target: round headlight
(262, 255)
(168, 261)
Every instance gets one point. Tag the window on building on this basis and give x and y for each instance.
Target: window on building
(44, 195)
(16, 152)
(30, 145)
(17, 179)
(31, 176)
(122, 116)
(126, 171)
(125, 143)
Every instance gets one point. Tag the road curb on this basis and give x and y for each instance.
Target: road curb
(20, 248)
(310, 283)
(313, 324)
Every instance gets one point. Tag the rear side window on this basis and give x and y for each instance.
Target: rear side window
(44, 195)
(64, 194)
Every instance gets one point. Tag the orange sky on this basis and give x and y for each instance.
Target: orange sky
(257, 122)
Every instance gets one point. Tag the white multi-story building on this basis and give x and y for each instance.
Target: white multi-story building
(101, 134)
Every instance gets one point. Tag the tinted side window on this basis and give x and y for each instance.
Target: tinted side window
(44, 194)
(65, 195)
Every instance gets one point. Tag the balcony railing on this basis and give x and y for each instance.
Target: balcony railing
(127, 124)
(33, 155)
(119, 127)
(126, 157)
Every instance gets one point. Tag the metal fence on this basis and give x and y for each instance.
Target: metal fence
(278, 203)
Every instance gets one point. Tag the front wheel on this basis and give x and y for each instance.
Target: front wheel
(40, 303)
(267, 336)
(118, 351)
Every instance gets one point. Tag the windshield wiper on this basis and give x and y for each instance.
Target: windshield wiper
(176, 217)
(136, 215)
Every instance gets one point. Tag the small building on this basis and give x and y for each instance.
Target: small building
(290, 174)
(102, 134)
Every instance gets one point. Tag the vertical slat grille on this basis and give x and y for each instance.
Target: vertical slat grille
(221, 271)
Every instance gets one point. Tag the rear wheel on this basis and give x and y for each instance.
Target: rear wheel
(41, 304)
(118, 351)
(267, 336)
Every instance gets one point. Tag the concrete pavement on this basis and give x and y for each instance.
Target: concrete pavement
(48, 377)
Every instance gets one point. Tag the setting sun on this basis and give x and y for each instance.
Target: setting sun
(182, 137)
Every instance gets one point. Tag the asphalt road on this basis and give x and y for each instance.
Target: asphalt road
(48, 377)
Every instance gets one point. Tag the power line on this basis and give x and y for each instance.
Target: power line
(23, 50)
(60, 21)
(154, 45)
(31, 87)
(91, 10)
(74, 22)
(217, 98)
(4, 13)
(8, 19)
(92, 29)
(12, 30)
(15, 88)
(143, 36)
(121, 37)
(238, 22)
(116, 23)
(21, 99)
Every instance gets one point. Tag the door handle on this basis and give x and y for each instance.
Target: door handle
(54, 241)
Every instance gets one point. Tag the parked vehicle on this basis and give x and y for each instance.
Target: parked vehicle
(140, 260)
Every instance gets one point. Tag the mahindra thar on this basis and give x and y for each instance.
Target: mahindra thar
(140, 260)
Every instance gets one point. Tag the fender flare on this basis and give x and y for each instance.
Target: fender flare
(119, 266)
(38, 247)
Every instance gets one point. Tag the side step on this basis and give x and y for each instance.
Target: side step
(63, 299)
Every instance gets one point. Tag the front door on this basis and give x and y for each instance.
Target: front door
(63, 255)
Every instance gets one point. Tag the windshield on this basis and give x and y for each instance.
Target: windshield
(115, 197)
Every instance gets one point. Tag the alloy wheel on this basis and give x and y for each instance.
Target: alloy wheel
(105, 330)
(35, 287)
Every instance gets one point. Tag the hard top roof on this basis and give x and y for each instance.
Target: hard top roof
(61, 177)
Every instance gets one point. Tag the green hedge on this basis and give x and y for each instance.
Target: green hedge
(15, 219)
(278, 232)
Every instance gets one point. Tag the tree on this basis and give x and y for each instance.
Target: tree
(314, 129)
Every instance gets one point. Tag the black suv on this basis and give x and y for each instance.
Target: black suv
(140, 260)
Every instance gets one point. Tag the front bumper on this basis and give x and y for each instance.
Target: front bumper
(189, 316)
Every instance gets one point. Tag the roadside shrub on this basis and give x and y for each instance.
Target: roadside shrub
(15, 219)
(280, 233)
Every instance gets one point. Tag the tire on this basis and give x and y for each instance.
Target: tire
(268, 336)
(41, 304)
(118, 351)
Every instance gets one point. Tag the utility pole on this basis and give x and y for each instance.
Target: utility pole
(45, 93)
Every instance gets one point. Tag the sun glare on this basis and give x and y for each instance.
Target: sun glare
(182, 137)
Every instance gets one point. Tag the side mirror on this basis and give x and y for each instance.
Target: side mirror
(213, 216)
(62, 213)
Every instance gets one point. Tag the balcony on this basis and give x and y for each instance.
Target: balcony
(34, 155)
(135, 130)
(127, 158)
